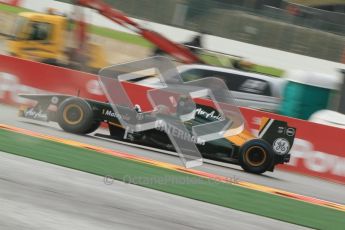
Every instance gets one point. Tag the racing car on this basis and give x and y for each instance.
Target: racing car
(84, 116)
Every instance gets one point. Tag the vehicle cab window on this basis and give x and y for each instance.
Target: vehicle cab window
(193, 74)
(39, 31)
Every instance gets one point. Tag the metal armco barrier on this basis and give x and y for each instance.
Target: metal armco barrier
(319, 150)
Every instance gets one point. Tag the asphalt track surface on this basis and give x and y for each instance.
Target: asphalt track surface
(37, 195)
(53, 197)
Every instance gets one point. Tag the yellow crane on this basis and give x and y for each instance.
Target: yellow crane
(44, 37)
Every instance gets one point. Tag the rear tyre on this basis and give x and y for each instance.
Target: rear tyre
(94, 127)
(75, 115)
(256, 156)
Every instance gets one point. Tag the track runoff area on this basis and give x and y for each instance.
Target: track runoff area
(170, 178)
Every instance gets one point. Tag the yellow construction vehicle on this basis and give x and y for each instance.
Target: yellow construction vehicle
(48, 38)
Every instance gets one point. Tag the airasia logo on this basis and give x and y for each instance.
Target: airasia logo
(94, 87)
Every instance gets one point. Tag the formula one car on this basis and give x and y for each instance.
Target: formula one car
(83, 116)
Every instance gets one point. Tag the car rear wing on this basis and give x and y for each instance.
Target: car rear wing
(278, 134)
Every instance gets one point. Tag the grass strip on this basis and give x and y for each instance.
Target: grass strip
(12, 9)
(268, 70)
(178, 183)
(120, 36)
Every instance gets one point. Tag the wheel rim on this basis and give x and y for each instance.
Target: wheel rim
(73, 114)
(255, 156)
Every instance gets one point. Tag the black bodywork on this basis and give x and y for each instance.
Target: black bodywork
(49, 108)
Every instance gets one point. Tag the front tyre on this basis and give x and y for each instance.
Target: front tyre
(75, 115)
(256, 156)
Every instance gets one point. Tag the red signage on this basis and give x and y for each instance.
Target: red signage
(318, 150)
(11, 2)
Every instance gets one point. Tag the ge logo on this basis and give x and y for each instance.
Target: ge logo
(281, 146)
